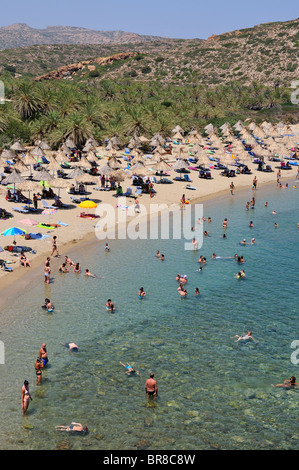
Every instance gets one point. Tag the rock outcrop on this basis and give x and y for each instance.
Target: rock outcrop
(71, 69)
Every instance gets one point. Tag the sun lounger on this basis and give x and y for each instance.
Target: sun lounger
(77, 200)
(18, 209)
(129, 193)
(46, 205)
(29, 208)
(186, 178)
(98, 188)
(4, 267)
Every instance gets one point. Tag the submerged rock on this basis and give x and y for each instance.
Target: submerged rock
(142, 444)
(193, 413)
(64, 445)
(148, 421)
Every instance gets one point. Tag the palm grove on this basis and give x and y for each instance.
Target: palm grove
(56, 110)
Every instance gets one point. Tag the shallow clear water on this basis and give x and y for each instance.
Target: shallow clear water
(213, 392)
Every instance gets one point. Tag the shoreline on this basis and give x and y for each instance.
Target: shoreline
(23, 279)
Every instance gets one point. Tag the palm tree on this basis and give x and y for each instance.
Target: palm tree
(3, 122)
(68, 100)
(26, 100)
(136, 122)
(94, 112)
(78, 128)
(107, 90)
(47, 98)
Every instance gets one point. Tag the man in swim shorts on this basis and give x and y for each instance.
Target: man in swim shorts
(151, 388)
(43, 354)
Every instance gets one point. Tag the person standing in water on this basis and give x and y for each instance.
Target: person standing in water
(54, 247)
(151, 388)
(43, 354)
(38, 365)
(25, 396)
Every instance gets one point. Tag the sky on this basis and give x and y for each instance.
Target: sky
(185, 19)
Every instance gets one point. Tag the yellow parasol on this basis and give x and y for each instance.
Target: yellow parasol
(87, 204)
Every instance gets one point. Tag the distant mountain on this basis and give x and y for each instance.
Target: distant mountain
(22, 35)
(265, 54)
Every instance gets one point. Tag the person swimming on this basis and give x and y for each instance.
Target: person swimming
(291, 383)
(240, 274)
(246, 337)
(72, 347)
(73, 427)
(196, 292)
(129, 369)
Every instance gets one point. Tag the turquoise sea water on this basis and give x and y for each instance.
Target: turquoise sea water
(213, 392)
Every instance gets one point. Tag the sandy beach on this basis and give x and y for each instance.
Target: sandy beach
(80, 231)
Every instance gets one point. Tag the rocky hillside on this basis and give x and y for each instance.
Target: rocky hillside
(267, 53)
(22, 35)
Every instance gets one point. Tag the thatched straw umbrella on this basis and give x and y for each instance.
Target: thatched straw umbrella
(180, 164)
(178, 129)
(105, 170)
(83, 163)
(14, 178)
(18, 147)
(86, 178)
(29, 159)
(42, 175)
(114, 163)
(60, 183)
(91, 157)
(37, 152)
(88, 147)
(8, 154)
(178, 136)
(43, 145)
(30, 186)
(53, 165)
(141, 171)
(118, 175)
(75, 173)
(138, 164)
(112, 152)
(60, 157)
(135, 142)
(20, 166)
(162, 166)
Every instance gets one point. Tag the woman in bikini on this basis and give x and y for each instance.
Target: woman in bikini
(24, 261)
(38, 366)
(47, 271)
(77, 268)
(54, 247)
(25, 396)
